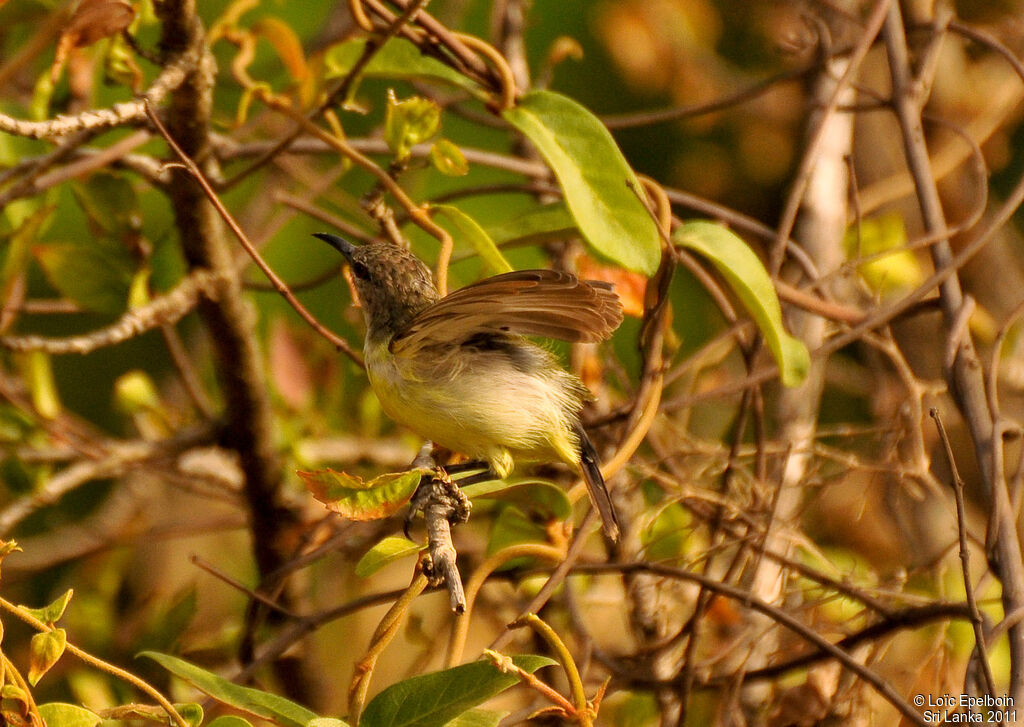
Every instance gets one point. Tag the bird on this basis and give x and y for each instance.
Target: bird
(460, 371)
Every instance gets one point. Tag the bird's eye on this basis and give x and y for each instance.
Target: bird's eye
(360, 270)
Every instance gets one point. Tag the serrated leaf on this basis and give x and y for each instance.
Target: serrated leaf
(247, 699)
(465, 229)
(356, 499)
(398, 58)
(45, 650)
(597, 181)
(546, 499)
(439, 697)
(94, 274)
(51, 613)
(58, 714)
(385, 552)
(448, 158)
(749, 280)
(409, 122)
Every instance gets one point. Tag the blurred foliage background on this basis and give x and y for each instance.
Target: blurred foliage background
(158, 546)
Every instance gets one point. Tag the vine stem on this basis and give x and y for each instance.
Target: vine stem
(95, 661)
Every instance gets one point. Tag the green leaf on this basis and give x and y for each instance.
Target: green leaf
(542, 497)
(45, 650)
(230, 721)
(512, 527)
(253, 701)
(478, 718)
(465, 228)
(548, 222)
(355, 499)
(437, 698)
(385, 552)
(899, 269)
(594, 176)
(327, 722)
(51, 613)
(398, 59)
(749, 280)
(95, 274)
(58, 714)
(666, 537)
(109, 201)
(448, 158)
(42, 385)
(408, 122)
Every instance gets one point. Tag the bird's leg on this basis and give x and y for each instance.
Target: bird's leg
(437, 490)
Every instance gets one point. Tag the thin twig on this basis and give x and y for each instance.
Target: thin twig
(977, 621)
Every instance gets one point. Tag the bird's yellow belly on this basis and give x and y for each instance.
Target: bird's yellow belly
(497, 417)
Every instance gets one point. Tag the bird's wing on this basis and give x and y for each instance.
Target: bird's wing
(543, 303)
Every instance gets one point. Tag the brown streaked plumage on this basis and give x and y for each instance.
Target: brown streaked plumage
(459, 371)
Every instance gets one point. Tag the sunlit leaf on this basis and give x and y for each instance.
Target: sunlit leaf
(549, 222)
(57, 714)
(408, 122)
(45, 650)
(230, 721)
(356, 499)
(397, 59)
(247, 699)
(385, 552)
(41, 384)
(448, 158)
(749, 280)
(898, 269)
(465, 228)
(599, 185)
(439, 697)
(327, 722)
(478, 718)
(52, 612)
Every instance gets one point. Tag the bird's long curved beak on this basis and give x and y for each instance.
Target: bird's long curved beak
(340, 244)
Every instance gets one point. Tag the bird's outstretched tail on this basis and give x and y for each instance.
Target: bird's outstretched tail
(599, 494)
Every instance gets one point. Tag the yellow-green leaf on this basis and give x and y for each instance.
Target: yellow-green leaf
(42, 386)
(398, 58)
(356, 499)
(448, 158)
(58, 714)
(408, 122)
(385, 552)
(465, 229)
(45, 650)
(599, 185)
(50, 614)
(749, 280)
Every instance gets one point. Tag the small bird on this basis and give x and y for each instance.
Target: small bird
(460, 372)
